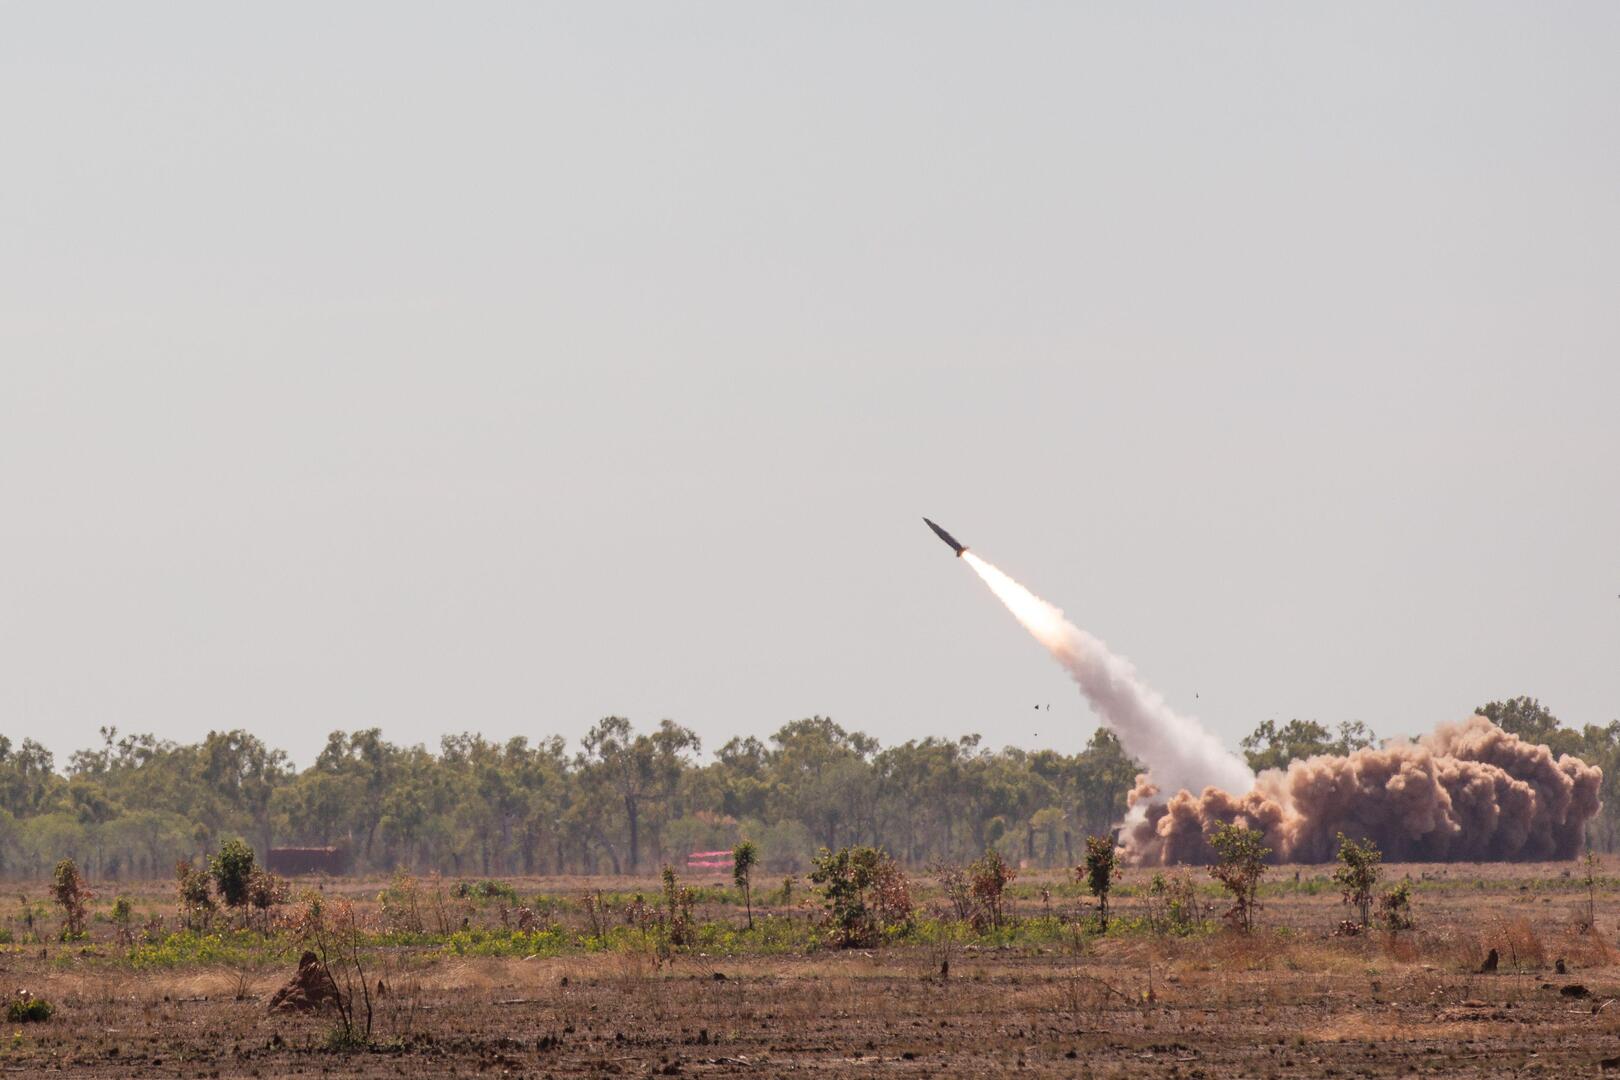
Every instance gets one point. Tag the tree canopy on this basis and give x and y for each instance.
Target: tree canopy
(626, 800)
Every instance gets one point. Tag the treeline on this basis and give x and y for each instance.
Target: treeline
(626, 801)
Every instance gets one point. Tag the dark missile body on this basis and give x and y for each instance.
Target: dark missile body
(947, 537)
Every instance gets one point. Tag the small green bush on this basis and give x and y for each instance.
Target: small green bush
(231, 870)
(25, 1008)
(866, 896)
(484, 890)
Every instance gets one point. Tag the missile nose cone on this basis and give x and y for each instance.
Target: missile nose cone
(947, 537)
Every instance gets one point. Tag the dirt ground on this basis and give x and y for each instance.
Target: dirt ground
(1290, 1000)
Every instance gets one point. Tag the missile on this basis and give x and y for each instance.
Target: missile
(947, 537)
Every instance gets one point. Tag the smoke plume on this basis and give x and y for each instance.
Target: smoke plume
(1176, 749)
(1469, 791)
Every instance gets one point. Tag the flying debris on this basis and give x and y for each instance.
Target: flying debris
(947, 537)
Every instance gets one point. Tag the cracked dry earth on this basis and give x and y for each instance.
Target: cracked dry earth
(1212, 1008)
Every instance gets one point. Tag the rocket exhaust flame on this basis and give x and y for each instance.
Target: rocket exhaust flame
(1467, 791)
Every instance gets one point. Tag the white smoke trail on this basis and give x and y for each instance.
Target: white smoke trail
(1176, 749)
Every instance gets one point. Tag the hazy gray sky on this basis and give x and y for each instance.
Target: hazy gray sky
(503, 366)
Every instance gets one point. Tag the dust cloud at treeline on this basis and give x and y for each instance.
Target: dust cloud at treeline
(1469, 791)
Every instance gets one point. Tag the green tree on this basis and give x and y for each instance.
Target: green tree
(27, 777)
(1100, 778)
(1271, 747)
(864, 893)
(1101, 867)
(1600, 746)
(824, 778)
(243, 773)
(1357, 874)
(743, 858)
(1240, 860)
(356, 771)
(640, 770)
(1531, 721)
(232, 871)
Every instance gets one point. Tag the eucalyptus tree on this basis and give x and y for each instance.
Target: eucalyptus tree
(640, 770)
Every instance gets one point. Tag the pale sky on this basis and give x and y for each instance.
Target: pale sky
(499, 367)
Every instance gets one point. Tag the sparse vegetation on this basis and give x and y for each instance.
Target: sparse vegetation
(333, 931)
(599, 951)
(1172, 904)
(678, 924)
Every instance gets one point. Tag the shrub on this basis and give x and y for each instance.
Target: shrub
(1240, 861)
(25, 1008)
(334, 933)
(1395, 908)
(892, 896)
(977, 892)
(954, 880)
(232, 869)
(1173, 906)
(196, 902)
(123, 917)
(1102, 864)
(987, 881)
(73, 895)
(485, 890)
(265, 891)
(865, 894)
(678, 922)
(1357, 874)
(401, 906)
(743, 858)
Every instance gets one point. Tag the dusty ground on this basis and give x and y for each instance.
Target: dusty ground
(1292, 1003)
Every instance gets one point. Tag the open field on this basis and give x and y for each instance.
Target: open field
(469, 993)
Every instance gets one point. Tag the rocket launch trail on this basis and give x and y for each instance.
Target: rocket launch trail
(1177, 750)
